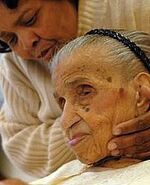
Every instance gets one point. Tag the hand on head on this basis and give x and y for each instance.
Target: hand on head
(133, 136)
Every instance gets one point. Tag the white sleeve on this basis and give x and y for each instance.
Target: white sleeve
(36, 147)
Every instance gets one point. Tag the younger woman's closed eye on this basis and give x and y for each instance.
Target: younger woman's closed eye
(31, 20)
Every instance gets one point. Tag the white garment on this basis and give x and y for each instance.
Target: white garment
(30, 139)
(73, 173)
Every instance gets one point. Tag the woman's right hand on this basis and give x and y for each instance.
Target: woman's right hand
(12, 182)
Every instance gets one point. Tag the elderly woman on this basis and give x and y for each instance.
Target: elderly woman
(34, 29)
(103, 65)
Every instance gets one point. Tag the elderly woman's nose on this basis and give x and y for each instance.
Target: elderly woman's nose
(28, 39)
(69, 116)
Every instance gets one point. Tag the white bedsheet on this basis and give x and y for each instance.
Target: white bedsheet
(72, 174)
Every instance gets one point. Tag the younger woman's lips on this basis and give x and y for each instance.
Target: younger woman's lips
(47, 54)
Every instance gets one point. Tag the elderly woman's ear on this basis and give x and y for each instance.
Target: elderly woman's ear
(142, 80)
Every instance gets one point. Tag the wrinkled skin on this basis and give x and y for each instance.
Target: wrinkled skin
(94, 100)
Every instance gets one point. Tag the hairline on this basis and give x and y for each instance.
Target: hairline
(94, 39)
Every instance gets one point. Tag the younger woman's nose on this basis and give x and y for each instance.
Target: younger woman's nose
(28, 40)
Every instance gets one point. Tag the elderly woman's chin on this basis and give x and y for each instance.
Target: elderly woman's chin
(91, 152)
(90, 159)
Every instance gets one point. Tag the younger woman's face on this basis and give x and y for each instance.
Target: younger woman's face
(36, 29)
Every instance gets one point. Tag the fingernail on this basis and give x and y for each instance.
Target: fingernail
(112, 146)
(115, 153)
(117, 131)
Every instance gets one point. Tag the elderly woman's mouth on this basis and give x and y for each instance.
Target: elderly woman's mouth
(77, 138)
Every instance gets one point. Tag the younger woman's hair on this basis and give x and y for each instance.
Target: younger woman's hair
(76, 3)
(11, 4)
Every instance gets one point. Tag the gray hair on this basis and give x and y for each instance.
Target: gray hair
(122, 56)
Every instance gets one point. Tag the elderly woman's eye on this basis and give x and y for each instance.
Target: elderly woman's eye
(84, 90)
(61, 102)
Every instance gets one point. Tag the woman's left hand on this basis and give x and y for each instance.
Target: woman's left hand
(133, 136)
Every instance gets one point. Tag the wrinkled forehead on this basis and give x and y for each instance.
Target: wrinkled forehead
(82, 63)
(81, 60)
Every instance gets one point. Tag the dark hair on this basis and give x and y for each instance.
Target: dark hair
(11, 4)
(75, 2)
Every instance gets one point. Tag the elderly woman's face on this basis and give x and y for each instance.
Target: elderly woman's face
(37, 28)
(93, 100)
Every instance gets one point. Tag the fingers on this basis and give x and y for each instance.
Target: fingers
(135, 151)
(134, 145)
(135, 139)
(134, 125)
(143, 156)
(130, 140)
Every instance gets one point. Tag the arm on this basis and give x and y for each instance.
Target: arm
(133, 136)
(31, 136)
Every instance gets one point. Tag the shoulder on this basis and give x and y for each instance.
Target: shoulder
(9, 57)
(9, 61)
(12, 65)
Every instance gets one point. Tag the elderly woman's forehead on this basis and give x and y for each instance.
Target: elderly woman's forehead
(86, 59)
(82, 64)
